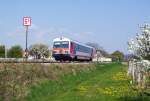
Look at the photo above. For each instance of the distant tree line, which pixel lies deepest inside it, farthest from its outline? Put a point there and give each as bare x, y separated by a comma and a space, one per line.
98, 49
2, 51
117, 55
37, 51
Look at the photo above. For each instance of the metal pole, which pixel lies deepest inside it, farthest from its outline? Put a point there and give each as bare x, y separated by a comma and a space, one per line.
26, 50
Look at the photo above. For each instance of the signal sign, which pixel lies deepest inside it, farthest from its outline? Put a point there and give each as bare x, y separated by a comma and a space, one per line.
27, 21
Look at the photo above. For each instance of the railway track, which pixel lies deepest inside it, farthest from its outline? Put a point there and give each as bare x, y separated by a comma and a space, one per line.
44, 62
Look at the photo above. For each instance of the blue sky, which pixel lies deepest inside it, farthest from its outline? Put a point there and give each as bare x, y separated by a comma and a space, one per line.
110, 23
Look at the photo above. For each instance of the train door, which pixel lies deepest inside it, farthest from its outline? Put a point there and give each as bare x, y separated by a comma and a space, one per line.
72, 49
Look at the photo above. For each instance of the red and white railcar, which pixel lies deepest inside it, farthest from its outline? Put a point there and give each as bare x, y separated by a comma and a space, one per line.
65, 49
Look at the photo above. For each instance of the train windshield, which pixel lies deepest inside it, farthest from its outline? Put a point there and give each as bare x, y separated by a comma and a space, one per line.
63, 44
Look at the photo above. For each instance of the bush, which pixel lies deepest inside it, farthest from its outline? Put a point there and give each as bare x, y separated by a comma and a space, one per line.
2, 51
15, 52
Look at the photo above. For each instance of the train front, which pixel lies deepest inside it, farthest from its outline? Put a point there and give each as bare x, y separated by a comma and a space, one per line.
61, 50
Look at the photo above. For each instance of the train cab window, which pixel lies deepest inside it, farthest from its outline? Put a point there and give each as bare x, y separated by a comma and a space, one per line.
57, 45
64, 44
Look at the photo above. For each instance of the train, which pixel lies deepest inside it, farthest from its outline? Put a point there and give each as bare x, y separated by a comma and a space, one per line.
65, 49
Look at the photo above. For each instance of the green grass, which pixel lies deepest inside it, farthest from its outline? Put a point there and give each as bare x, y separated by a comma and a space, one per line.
96, 85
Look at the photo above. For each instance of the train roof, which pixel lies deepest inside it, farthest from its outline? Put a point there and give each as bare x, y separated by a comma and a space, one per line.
61, 39
67, 39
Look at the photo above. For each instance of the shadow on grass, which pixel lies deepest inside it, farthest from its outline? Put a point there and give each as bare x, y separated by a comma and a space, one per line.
136, 98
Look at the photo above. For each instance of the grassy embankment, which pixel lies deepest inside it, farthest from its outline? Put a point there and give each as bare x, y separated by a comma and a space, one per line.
108, 82
66, 82
17, 79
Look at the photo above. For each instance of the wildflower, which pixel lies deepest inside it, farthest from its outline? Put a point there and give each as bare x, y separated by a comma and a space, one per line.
120, 76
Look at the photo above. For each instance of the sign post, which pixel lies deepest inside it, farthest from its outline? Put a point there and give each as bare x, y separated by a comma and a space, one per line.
26, 23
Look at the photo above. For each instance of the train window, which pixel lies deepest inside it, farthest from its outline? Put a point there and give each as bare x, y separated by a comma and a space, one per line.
83, 48
77, 47
64, 44
57, 45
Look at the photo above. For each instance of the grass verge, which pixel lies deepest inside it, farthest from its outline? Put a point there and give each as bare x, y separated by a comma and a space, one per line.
108, 82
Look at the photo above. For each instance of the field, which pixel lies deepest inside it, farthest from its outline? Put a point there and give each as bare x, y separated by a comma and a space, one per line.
96, 82
107, 83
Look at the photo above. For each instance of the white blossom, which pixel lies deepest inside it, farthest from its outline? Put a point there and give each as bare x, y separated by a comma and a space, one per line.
140, 46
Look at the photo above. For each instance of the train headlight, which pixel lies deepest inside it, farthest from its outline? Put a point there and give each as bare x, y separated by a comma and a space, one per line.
54, 52
66, 52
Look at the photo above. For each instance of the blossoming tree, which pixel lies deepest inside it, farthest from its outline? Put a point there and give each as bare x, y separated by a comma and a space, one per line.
140, 47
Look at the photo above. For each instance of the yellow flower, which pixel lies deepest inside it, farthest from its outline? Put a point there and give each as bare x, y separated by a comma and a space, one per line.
120, 76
